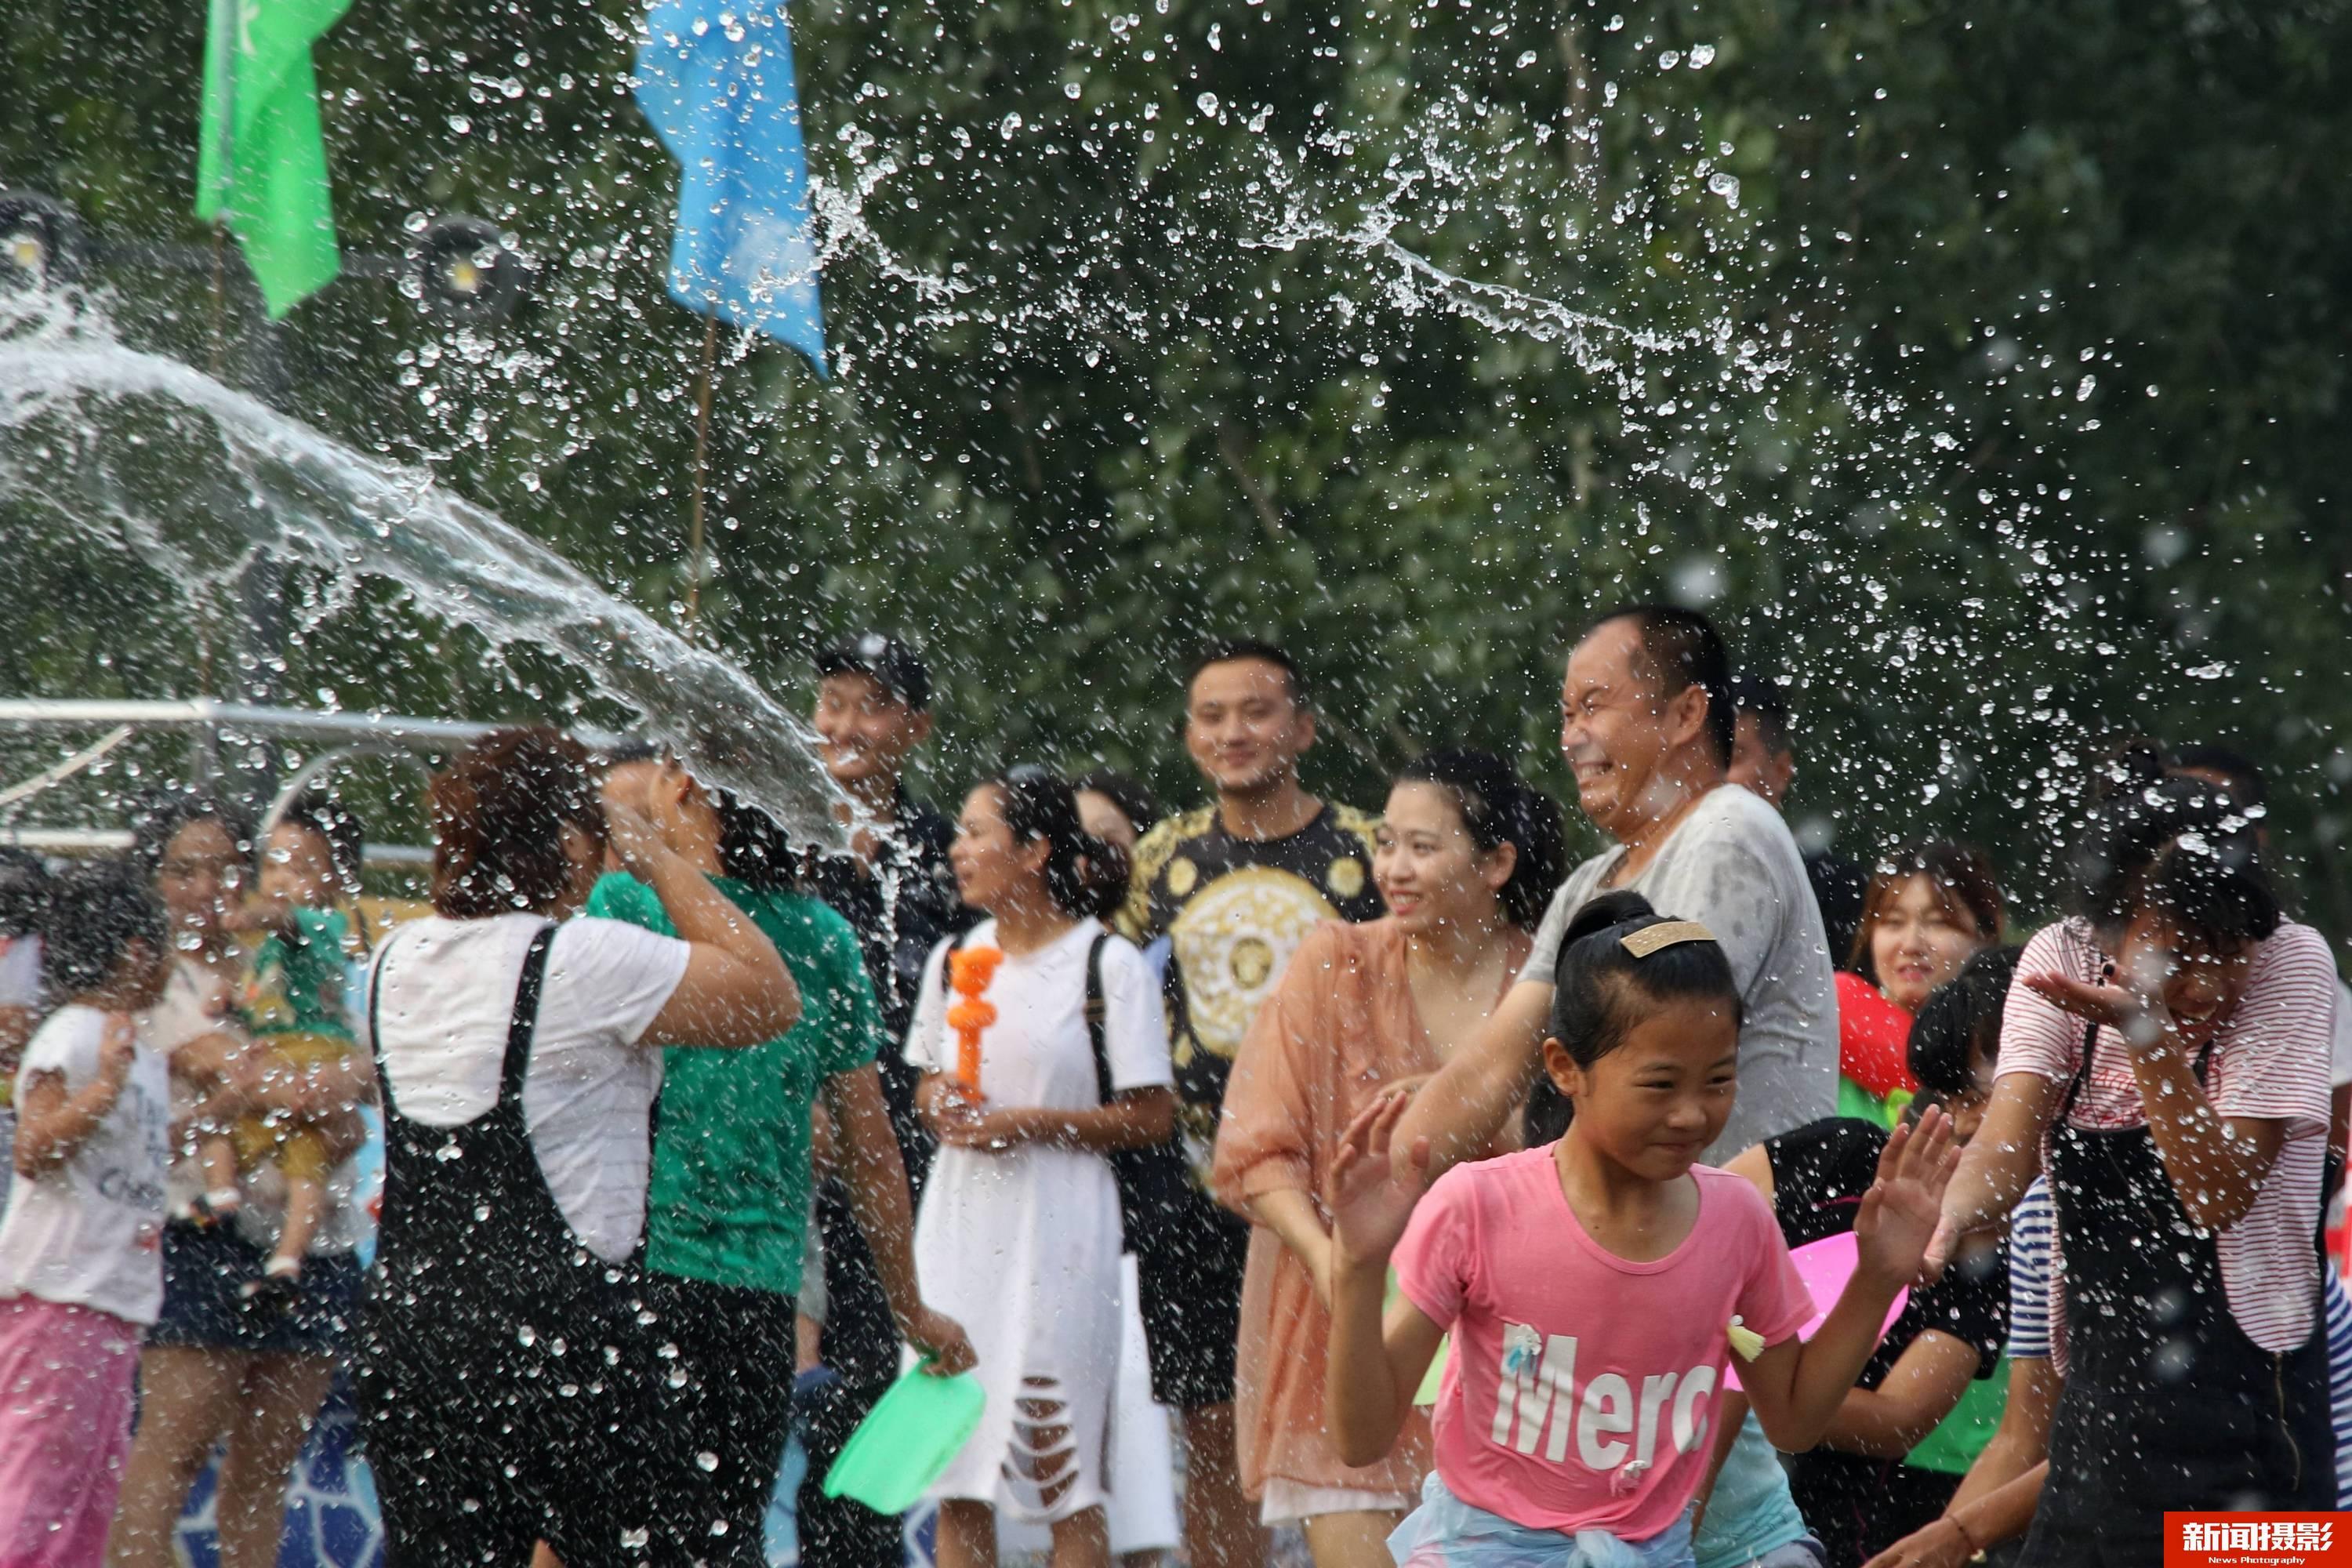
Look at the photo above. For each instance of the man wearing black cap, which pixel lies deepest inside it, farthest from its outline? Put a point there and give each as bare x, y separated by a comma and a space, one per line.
895, 889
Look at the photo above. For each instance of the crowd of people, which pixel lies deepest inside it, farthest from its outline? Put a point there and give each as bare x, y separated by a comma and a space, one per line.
1380, 1173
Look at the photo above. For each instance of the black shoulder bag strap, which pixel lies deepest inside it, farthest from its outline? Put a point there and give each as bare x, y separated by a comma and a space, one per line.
1152, 1180
1097, 1035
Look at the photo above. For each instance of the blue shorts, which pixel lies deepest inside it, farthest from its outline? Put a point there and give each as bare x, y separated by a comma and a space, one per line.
1446, 1533
202, 1271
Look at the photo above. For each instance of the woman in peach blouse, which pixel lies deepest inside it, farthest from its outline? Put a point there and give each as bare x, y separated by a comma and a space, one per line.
1467, 855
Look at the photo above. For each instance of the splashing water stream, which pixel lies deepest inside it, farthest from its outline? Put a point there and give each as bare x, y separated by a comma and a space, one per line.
85, 425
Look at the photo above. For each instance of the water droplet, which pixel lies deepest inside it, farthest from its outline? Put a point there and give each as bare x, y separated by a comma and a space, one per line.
707, 1460
1070, 90
1208, 104
526, 1335
1217, 38
461, 124
1702, 55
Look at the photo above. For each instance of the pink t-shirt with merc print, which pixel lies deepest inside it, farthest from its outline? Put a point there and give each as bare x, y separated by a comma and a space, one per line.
1581, 1387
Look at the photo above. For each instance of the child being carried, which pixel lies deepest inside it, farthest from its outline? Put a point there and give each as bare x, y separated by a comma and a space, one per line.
305, 907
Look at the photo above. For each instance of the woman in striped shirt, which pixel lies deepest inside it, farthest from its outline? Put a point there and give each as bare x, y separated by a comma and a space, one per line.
2166, 1054
1996, 1500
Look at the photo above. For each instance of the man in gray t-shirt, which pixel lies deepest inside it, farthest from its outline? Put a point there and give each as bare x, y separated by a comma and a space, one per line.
1732, 866
1646, 723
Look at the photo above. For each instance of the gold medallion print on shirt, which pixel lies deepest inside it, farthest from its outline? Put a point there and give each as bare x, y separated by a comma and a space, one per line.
1346, 878
1233, 940
1181, 875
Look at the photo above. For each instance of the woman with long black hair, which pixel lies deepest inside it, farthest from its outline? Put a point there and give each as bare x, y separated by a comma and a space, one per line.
2165, 1057
1042, 1049
1467, 855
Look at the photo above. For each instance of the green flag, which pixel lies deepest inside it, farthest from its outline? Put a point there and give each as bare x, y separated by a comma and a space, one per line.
262, 165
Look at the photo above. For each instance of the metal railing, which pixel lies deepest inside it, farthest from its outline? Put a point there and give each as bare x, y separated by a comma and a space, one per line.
208, 720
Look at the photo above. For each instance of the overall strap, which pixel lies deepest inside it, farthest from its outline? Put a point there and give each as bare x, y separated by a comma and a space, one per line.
524, 1023
1096, 1039
2081, 1073
2090, 1042
376, 1026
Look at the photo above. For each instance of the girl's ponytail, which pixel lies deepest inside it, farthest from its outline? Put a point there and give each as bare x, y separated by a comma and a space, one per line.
1549, 1111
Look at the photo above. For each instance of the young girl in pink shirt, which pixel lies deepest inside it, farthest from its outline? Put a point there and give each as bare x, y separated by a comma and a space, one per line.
1596, 1286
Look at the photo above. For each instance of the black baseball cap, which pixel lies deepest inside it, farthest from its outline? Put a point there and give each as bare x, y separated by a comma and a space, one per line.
890, 662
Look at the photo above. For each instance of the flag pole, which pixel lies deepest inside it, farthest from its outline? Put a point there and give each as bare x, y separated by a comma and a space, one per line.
701, 469
220, 295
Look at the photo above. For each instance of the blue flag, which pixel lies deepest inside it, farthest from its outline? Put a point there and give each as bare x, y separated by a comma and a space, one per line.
715, 77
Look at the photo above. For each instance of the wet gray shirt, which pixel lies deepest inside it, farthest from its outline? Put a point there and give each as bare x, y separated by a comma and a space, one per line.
1732, 866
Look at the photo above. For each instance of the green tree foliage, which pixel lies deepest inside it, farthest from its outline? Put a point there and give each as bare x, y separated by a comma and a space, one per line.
1981, 364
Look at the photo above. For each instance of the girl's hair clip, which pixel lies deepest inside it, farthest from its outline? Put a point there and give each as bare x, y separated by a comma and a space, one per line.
1664, 934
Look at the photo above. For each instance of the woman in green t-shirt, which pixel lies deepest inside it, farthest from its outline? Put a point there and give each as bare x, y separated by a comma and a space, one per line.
729, 1204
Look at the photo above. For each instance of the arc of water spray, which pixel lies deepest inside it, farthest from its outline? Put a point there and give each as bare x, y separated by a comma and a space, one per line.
78, 420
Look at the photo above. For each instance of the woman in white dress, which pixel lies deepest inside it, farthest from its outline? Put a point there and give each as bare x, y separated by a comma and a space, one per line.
1019, 1233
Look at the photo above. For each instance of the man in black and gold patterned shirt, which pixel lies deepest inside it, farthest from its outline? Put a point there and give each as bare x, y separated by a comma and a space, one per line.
1230, 890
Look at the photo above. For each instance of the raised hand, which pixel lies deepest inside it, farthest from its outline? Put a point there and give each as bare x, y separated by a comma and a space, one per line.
636, 840
1902, 1211
1369, 1192
2134, 1012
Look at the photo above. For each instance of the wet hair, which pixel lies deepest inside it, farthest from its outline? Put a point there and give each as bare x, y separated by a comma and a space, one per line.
498, 811
335, 825
2175, 847
24, 892
97, 911
1083, 875
159, 817
1754, 694
1963, 881
1135, 802
2246, 785
629, 749
1499, 807
1959, 1025
1226, 651
1681, 649
753, 846
1600, 991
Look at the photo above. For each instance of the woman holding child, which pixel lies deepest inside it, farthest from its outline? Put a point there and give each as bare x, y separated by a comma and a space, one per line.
218, 1363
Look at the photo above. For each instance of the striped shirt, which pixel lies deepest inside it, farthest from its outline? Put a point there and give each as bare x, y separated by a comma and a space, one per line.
2031, 1226
2271, 1060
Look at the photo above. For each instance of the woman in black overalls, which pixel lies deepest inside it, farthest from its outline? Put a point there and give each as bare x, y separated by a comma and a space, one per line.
507, 1356
2169, 1405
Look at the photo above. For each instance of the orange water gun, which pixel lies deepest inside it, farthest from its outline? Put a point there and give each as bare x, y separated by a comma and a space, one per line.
970, 969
